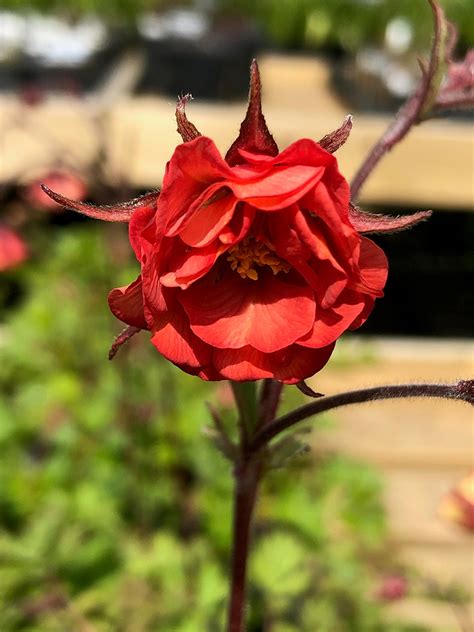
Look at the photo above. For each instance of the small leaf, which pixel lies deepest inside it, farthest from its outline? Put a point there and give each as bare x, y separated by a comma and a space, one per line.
287, 449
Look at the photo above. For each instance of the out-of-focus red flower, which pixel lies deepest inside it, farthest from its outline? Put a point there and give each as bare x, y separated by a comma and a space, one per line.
66, 183
252, 265
13, 249
392, 588
458, 505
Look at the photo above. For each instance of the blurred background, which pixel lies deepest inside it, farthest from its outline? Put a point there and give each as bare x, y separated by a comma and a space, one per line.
114, 504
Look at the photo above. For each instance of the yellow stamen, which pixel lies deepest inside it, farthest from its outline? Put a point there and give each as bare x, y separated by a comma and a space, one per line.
249, 253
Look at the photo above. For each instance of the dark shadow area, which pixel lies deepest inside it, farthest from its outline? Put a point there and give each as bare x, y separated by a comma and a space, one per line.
429, 288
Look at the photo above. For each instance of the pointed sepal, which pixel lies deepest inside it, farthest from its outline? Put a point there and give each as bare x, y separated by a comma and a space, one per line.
185, 129
332, 141
307, 390
123, 337
108, 213
254, 135
365, 222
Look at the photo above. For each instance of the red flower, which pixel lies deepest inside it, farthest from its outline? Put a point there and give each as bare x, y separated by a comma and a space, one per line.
251, 266
13, 249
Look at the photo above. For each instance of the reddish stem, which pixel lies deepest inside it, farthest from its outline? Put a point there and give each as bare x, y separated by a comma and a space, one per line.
247, 479
412, 111
247, 474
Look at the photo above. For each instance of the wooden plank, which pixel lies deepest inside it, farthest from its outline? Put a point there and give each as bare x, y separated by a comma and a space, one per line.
437, 617
416, 432
422, 449
60, 132
412, 498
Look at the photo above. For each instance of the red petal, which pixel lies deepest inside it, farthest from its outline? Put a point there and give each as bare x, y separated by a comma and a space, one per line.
306, 152
254, 135
329, 202
193, 168
331, 323
186, 129
308, 253
188, 265
289, 365
208, 221
174, 339
312, 234
365, 222
373, 266
239, 226
126, 303
109, 213
140, 220
331, 142
268, 314
282, 187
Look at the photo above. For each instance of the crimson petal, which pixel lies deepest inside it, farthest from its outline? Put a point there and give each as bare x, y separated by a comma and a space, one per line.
365, 222
108, 213
238, 312
331, 142
176, 342
126, 304
290, 365
254, 135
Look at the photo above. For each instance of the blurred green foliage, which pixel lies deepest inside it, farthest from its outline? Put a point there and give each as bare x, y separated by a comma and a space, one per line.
346, 24
115, 507
109, 9
350, 24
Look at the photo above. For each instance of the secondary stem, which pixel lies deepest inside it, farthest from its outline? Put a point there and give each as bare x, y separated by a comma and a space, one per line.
247, 479
414, 109
462, 391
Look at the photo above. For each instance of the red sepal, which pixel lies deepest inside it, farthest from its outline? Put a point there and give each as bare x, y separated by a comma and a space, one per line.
108, 213
123, 337
365, 222
185, 128
254, 135
332, 141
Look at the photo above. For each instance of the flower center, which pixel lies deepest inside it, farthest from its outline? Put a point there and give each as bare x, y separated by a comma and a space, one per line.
245, 255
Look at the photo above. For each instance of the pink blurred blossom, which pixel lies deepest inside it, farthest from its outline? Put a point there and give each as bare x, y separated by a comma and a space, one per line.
13, 249
65, 182
392, 588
